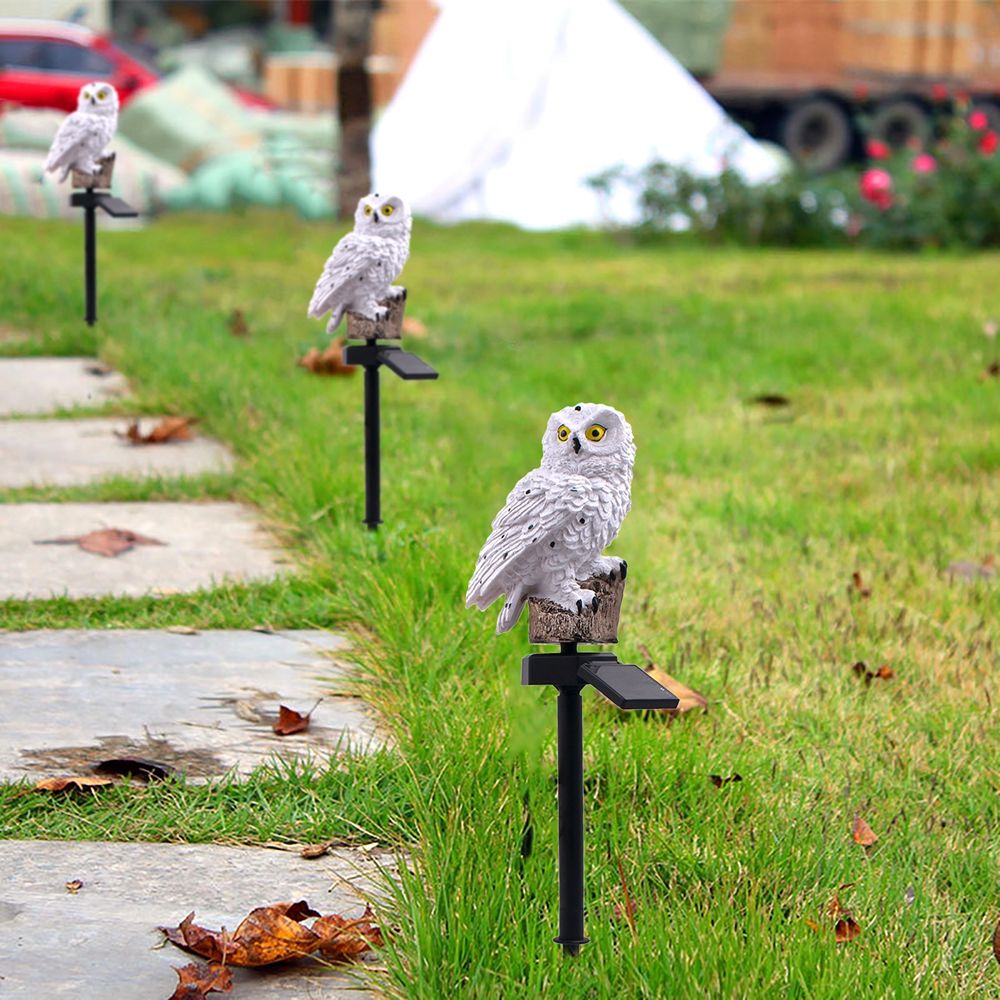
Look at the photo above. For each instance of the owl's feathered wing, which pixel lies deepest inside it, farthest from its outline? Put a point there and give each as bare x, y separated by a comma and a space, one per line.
352, 258
79, 133
538, 508
68, 139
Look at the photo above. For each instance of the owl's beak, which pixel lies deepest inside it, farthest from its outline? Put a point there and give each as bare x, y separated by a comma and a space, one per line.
576, 444
375, 217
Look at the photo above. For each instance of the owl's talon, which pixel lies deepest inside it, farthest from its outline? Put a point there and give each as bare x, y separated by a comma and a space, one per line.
579, 607
595, 604
624, 569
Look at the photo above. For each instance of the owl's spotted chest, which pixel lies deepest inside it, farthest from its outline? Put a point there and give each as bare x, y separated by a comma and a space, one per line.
594, 526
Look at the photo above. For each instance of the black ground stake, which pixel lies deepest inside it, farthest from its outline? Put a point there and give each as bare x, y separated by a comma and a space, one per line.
90, 200
371, 356
629, 687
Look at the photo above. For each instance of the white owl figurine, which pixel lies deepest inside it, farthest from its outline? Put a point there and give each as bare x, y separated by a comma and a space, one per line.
363, 265
560, 517
85, 133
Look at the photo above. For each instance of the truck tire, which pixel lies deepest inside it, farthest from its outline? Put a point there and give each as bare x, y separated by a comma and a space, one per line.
818, 134
898, 121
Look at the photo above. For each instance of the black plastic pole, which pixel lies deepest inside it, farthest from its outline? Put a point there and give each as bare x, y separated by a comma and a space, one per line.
570, 767
90, 257
373, 456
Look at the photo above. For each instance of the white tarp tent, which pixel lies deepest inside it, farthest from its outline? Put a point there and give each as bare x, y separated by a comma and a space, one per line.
510, 105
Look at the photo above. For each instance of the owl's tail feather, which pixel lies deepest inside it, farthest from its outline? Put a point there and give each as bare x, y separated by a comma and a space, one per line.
511, 610
336, 315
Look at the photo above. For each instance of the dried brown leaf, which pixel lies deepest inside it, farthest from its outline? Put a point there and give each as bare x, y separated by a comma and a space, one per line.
167, 430
74, 887
773, 399
107, 542
719, 781
413, 327
996, 942
71, 783
687, 697
181, 630
290, 721
276, 933
312, 851
858, 585
862, 833
196, 981
343, 939
992, 370
846, 929
237, 324
884, 673
327, 362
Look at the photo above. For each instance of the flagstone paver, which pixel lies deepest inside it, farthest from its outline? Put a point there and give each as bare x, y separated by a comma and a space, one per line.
202, 703
43, 385
204, 543
102, 941
72, 452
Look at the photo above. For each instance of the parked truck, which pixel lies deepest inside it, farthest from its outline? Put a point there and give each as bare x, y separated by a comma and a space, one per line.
804, 73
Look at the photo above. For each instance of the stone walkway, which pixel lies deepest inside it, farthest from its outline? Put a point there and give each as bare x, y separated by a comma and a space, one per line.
102, 942
203, 544
202, 704
44, 385
75, 452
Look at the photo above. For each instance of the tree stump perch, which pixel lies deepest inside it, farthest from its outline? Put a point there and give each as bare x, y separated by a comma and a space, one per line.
100, 181
390, 328
549, 623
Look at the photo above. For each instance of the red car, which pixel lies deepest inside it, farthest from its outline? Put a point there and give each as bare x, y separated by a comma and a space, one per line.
43, 64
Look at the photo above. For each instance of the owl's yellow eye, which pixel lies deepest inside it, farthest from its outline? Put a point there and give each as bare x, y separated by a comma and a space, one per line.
595, 432
368, 210
102, 94
387, 210
563, 433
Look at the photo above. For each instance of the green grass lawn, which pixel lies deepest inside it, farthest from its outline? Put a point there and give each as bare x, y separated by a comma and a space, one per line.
747, 525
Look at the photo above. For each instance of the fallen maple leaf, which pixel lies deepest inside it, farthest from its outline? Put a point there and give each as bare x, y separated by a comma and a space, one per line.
862, 833
775, 399
328, 361
197, 980
276, 933
884, 673
290, 721
846, 929
688, 698
312, 851
167, 430
71, 783
719, 781
343, 939
413, 327
858, 586
108, 542
238, 324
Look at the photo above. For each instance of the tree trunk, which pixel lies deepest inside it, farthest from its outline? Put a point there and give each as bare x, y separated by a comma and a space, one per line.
352, 31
